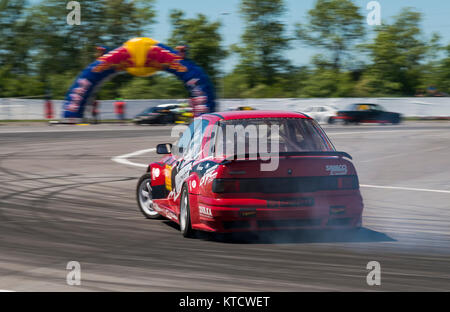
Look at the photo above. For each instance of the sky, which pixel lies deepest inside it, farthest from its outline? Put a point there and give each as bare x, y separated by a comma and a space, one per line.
436, 18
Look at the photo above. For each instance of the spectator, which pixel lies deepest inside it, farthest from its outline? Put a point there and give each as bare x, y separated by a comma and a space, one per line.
119, 107
95, 112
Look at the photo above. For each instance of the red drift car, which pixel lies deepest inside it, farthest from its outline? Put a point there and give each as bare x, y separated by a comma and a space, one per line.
251, 171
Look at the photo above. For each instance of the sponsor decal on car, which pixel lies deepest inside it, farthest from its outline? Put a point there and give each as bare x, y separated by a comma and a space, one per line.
298, 202
205, 211
181, 176
337, 169
170, 214
207, 178
337, 209
156, 172
250, 212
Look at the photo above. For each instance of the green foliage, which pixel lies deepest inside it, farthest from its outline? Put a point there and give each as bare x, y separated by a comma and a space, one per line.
333, 25
443, 73
15, 36
328, 83
39, 52
397, 53
161, 86
203, 39
15, 85
263, 42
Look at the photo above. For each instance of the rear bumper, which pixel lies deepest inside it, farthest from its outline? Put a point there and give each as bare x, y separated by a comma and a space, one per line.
240, 215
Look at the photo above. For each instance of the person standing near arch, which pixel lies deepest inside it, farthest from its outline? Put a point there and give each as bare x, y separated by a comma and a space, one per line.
119, 109
95, 112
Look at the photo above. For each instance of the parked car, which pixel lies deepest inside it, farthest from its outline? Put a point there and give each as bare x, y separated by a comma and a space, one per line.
241, 108
322, 114
367, 113
165, 114
160, 114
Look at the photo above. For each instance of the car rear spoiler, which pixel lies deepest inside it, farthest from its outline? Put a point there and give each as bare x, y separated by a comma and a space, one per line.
244, 157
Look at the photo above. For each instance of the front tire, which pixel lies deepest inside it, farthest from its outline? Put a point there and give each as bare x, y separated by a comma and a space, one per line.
185, 214
144, 195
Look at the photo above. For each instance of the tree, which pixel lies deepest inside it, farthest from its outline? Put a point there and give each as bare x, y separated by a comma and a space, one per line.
160, 86
125, 19
263, 42
103, 22
431, 65
443, 73
325, 81
203, 39
397, 53
15, 43
59, 47
333, 25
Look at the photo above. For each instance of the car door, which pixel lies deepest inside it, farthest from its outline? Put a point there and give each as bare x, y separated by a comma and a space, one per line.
375, 113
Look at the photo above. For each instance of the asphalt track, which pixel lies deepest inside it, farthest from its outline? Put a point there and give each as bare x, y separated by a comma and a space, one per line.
63, 199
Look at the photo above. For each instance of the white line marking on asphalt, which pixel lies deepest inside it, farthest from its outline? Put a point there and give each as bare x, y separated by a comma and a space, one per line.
3, 291
405, 188
123, 159
382, 131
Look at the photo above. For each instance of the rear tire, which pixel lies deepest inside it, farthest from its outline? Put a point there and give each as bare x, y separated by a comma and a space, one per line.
185, 214
144, 196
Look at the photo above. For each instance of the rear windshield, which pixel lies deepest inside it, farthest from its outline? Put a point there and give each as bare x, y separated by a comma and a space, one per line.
239, 136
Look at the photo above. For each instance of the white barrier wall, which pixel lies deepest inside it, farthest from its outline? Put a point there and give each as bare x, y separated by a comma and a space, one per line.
25, 109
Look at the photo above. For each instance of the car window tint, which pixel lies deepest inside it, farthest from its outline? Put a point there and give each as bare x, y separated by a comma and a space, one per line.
183, 143
363, 107
285, 134
194, 148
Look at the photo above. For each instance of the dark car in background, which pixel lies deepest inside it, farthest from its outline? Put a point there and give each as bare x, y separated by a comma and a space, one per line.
162, 114
367, 113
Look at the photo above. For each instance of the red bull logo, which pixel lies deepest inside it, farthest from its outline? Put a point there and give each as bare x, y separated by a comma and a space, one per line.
118, 58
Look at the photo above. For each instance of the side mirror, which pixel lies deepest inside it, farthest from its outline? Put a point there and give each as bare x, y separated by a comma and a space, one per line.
164, 148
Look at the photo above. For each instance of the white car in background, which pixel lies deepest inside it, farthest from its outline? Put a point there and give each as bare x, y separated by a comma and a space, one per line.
321, 113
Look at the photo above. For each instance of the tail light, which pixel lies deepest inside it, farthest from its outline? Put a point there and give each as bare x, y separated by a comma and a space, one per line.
285, 185
347, 182
225, 186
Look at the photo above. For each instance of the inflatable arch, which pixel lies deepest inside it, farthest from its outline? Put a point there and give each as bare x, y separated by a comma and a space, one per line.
140, 57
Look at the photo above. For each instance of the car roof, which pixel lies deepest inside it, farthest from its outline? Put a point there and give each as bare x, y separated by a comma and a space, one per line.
229, 115
167, 105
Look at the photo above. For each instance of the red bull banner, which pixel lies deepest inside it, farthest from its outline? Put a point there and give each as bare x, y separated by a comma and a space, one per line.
140, 57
